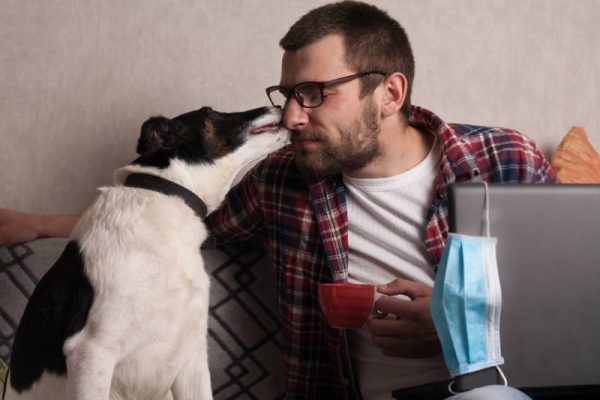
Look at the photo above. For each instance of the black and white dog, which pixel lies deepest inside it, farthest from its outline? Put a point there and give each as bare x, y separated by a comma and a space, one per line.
123, 313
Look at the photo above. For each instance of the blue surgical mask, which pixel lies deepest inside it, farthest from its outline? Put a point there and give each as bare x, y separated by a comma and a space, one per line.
466, 301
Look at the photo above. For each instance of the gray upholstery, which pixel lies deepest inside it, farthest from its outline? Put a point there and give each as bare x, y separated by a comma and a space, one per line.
244, 330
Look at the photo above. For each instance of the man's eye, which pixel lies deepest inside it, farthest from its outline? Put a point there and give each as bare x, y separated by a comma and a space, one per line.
310, 95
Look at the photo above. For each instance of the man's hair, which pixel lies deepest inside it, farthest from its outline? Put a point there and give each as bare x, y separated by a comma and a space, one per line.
373, 41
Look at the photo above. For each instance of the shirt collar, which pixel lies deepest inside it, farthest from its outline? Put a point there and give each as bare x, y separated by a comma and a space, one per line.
458, 163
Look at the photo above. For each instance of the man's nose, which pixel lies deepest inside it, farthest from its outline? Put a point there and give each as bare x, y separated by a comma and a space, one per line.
295, 116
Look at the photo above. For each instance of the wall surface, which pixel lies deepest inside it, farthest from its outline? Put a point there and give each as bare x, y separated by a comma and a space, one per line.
78, 78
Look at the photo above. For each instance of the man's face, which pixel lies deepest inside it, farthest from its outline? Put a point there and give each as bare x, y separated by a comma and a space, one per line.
341, 135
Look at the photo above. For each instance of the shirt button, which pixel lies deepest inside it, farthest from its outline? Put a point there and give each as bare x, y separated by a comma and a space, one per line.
345, 381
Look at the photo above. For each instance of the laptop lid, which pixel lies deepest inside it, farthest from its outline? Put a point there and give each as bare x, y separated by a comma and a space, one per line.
548, 256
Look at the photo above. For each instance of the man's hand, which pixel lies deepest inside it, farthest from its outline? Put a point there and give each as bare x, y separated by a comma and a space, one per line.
411, 333
16, 227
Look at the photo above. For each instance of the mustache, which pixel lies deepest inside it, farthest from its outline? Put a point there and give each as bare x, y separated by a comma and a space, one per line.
305, 135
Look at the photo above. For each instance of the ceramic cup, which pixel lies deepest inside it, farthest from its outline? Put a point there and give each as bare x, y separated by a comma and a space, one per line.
347, 305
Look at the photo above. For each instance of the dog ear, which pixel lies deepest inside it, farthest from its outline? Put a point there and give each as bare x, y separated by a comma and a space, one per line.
157, 133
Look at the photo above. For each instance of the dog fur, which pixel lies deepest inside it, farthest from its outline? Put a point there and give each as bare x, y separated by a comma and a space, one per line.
123, 313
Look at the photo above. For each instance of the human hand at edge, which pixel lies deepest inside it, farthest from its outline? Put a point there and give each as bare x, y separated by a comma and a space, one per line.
411, 334
17, 227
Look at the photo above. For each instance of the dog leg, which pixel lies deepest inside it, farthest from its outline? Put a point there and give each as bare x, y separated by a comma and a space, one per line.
90, 368
193, 379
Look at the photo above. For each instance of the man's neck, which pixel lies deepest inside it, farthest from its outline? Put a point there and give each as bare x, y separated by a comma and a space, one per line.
402, 148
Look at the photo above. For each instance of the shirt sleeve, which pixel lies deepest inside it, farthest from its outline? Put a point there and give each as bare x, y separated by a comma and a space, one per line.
544, 171
240, 218
510, 156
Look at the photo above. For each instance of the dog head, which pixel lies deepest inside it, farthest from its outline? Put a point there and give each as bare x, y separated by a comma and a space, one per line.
206, 135
206, 147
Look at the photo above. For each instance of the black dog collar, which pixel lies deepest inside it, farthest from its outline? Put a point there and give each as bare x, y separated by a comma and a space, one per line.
164, 186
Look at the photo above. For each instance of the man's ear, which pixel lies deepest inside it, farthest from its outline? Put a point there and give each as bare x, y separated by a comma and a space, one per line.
394, 93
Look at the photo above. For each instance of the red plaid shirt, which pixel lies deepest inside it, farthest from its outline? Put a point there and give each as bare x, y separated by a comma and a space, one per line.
305, 224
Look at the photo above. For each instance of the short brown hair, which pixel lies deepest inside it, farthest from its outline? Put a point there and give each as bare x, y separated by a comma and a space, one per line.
373, 40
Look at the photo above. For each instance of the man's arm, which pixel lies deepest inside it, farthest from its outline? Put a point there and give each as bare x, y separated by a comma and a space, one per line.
18, 227
239, 218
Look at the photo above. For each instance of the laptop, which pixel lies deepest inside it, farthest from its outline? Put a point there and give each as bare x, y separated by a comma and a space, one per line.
548, 255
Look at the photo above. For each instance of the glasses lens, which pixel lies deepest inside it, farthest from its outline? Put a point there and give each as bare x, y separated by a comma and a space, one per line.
309, 95
278, 97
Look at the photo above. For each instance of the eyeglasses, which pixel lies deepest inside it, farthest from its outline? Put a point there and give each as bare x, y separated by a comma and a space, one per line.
309, 94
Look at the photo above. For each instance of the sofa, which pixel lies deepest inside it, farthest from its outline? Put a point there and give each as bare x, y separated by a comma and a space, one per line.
244, 337
244, 330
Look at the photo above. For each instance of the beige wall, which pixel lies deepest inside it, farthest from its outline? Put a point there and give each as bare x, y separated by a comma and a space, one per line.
77, 77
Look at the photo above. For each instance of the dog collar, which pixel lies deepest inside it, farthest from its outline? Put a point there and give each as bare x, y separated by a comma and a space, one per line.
164, 186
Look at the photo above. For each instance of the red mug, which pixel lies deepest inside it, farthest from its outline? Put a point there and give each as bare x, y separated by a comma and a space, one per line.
347, 305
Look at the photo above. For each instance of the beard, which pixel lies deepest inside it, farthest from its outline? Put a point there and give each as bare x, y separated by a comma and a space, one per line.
357, 147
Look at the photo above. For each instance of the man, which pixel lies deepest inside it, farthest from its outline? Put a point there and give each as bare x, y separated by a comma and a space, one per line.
359, 196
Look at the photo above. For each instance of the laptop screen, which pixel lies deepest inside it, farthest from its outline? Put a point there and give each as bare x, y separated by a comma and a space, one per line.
548, 255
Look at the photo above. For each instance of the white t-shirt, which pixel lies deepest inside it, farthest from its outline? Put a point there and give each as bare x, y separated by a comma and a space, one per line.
387, 219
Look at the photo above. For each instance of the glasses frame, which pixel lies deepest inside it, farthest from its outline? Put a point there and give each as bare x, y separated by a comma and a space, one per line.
287, 92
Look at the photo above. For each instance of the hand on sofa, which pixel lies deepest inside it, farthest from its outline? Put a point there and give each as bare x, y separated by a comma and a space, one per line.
17, 227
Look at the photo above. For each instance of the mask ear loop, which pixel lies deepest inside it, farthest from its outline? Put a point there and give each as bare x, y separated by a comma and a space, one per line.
504, 381
485, 225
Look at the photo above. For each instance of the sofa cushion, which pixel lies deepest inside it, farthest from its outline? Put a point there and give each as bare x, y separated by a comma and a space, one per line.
244, 335
575, 160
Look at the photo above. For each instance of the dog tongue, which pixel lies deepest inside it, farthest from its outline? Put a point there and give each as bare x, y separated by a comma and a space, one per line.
265, 128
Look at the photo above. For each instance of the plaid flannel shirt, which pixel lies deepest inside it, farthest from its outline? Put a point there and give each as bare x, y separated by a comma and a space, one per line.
305, 226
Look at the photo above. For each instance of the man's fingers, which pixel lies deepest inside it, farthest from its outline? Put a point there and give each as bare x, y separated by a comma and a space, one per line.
416, 310
412, 334
406, 287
